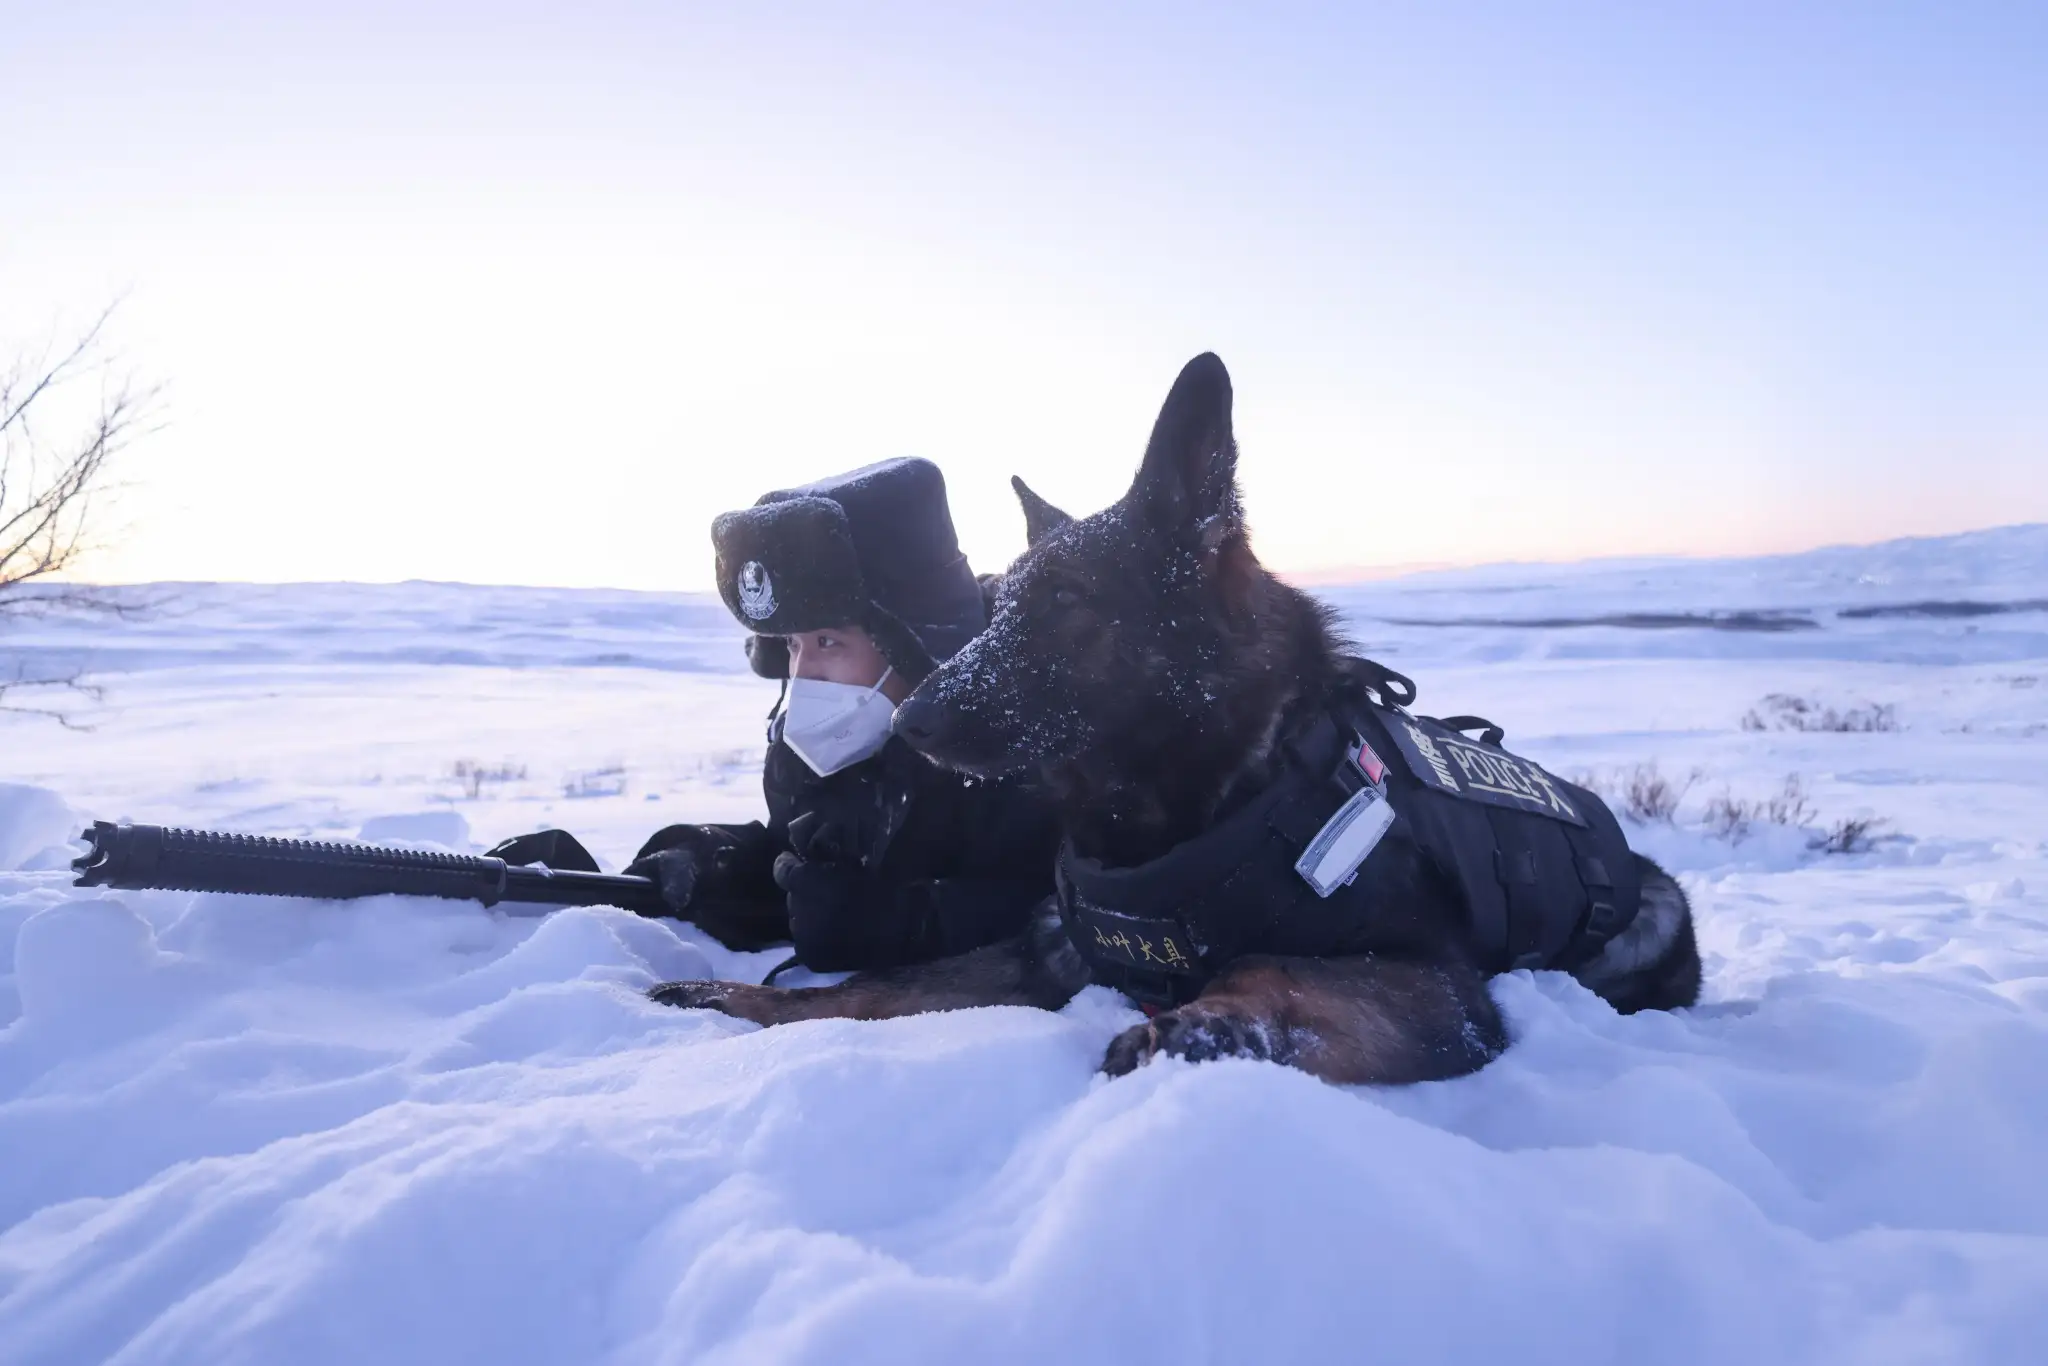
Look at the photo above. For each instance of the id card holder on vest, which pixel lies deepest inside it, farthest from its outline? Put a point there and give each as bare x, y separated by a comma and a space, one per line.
1333, 856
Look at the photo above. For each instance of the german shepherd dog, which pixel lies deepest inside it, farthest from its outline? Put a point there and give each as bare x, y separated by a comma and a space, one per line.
1143, 665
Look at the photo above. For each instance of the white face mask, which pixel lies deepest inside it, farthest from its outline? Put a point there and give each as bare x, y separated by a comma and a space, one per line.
831, 725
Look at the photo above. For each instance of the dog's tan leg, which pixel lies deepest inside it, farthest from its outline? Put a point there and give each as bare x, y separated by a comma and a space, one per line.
1037, 968
1349, 1020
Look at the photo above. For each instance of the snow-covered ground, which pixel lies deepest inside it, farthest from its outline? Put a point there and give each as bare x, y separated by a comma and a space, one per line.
246, 1130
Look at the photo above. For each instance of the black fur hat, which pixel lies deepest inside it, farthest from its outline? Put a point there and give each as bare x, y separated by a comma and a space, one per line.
872, 548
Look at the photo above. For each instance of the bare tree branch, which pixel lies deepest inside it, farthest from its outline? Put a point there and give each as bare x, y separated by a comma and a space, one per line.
48, 485
58, 442
51, 374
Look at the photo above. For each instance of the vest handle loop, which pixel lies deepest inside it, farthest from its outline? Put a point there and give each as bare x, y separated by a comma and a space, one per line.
1489, 733
1392, 689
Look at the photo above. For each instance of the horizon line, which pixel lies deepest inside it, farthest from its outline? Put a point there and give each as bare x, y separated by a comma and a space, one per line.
1322, 577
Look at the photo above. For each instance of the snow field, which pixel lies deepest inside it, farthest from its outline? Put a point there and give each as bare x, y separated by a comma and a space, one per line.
248, 1130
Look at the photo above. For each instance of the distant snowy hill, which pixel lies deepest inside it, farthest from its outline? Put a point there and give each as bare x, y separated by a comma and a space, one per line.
402, 623
1976, 576
244, 1130
1826, 603
1998, 565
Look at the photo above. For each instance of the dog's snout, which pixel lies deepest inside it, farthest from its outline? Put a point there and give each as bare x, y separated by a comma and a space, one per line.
920, 722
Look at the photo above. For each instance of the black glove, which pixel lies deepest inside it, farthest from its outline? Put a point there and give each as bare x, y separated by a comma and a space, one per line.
692, 854
673, 873
705, 876
558, 849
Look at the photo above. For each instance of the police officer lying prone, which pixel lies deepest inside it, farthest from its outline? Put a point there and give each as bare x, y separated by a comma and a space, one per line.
852, 590
1264, 847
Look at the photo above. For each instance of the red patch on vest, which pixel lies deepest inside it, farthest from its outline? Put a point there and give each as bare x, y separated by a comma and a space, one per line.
1370, 764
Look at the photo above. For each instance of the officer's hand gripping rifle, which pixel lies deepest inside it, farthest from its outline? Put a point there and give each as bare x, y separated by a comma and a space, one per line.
143, 857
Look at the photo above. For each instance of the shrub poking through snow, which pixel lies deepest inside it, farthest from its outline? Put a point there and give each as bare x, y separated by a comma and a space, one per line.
1731, 817
473, 775
1783, 711
1852, 835
1643, 792
597, 782
1647, 794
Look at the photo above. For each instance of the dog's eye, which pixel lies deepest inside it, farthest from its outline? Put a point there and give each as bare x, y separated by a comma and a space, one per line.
1065, 597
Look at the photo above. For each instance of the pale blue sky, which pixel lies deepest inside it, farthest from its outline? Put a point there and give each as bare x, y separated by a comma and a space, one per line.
511, 293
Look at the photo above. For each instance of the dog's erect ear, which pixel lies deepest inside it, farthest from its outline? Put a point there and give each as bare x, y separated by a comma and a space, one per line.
1041, 518
1188, 482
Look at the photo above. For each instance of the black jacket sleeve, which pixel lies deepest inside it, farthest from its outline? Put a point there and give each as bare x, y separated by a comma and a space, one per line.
843, 920
963, 913
888, 862
902, 862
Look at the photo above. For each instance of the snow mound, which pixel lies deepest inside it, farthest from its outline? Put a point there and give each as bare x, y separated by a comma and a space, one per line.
594, 1178
70, 954
35, 827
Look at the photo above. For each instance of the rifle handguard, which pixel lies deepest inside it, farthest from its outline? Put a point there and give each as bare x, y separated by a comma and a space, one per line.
152, 857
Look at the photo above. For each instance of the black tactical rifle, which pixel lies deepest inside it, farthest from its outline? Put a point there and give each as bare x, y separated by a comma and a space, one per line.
145, 857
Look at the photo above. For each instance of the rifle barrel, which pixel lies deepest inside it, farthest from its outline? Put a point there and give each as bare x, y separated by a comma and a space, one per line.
147, 857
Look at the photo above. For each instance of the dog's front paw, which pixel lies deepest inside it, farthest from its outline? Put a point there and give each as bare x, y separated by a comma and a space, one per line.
741, 1000
1194, 1032
690, 995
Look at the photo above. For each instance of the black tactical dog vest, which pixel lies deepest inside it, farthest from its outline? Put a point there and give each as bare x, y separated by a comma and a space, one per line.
1542, 870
